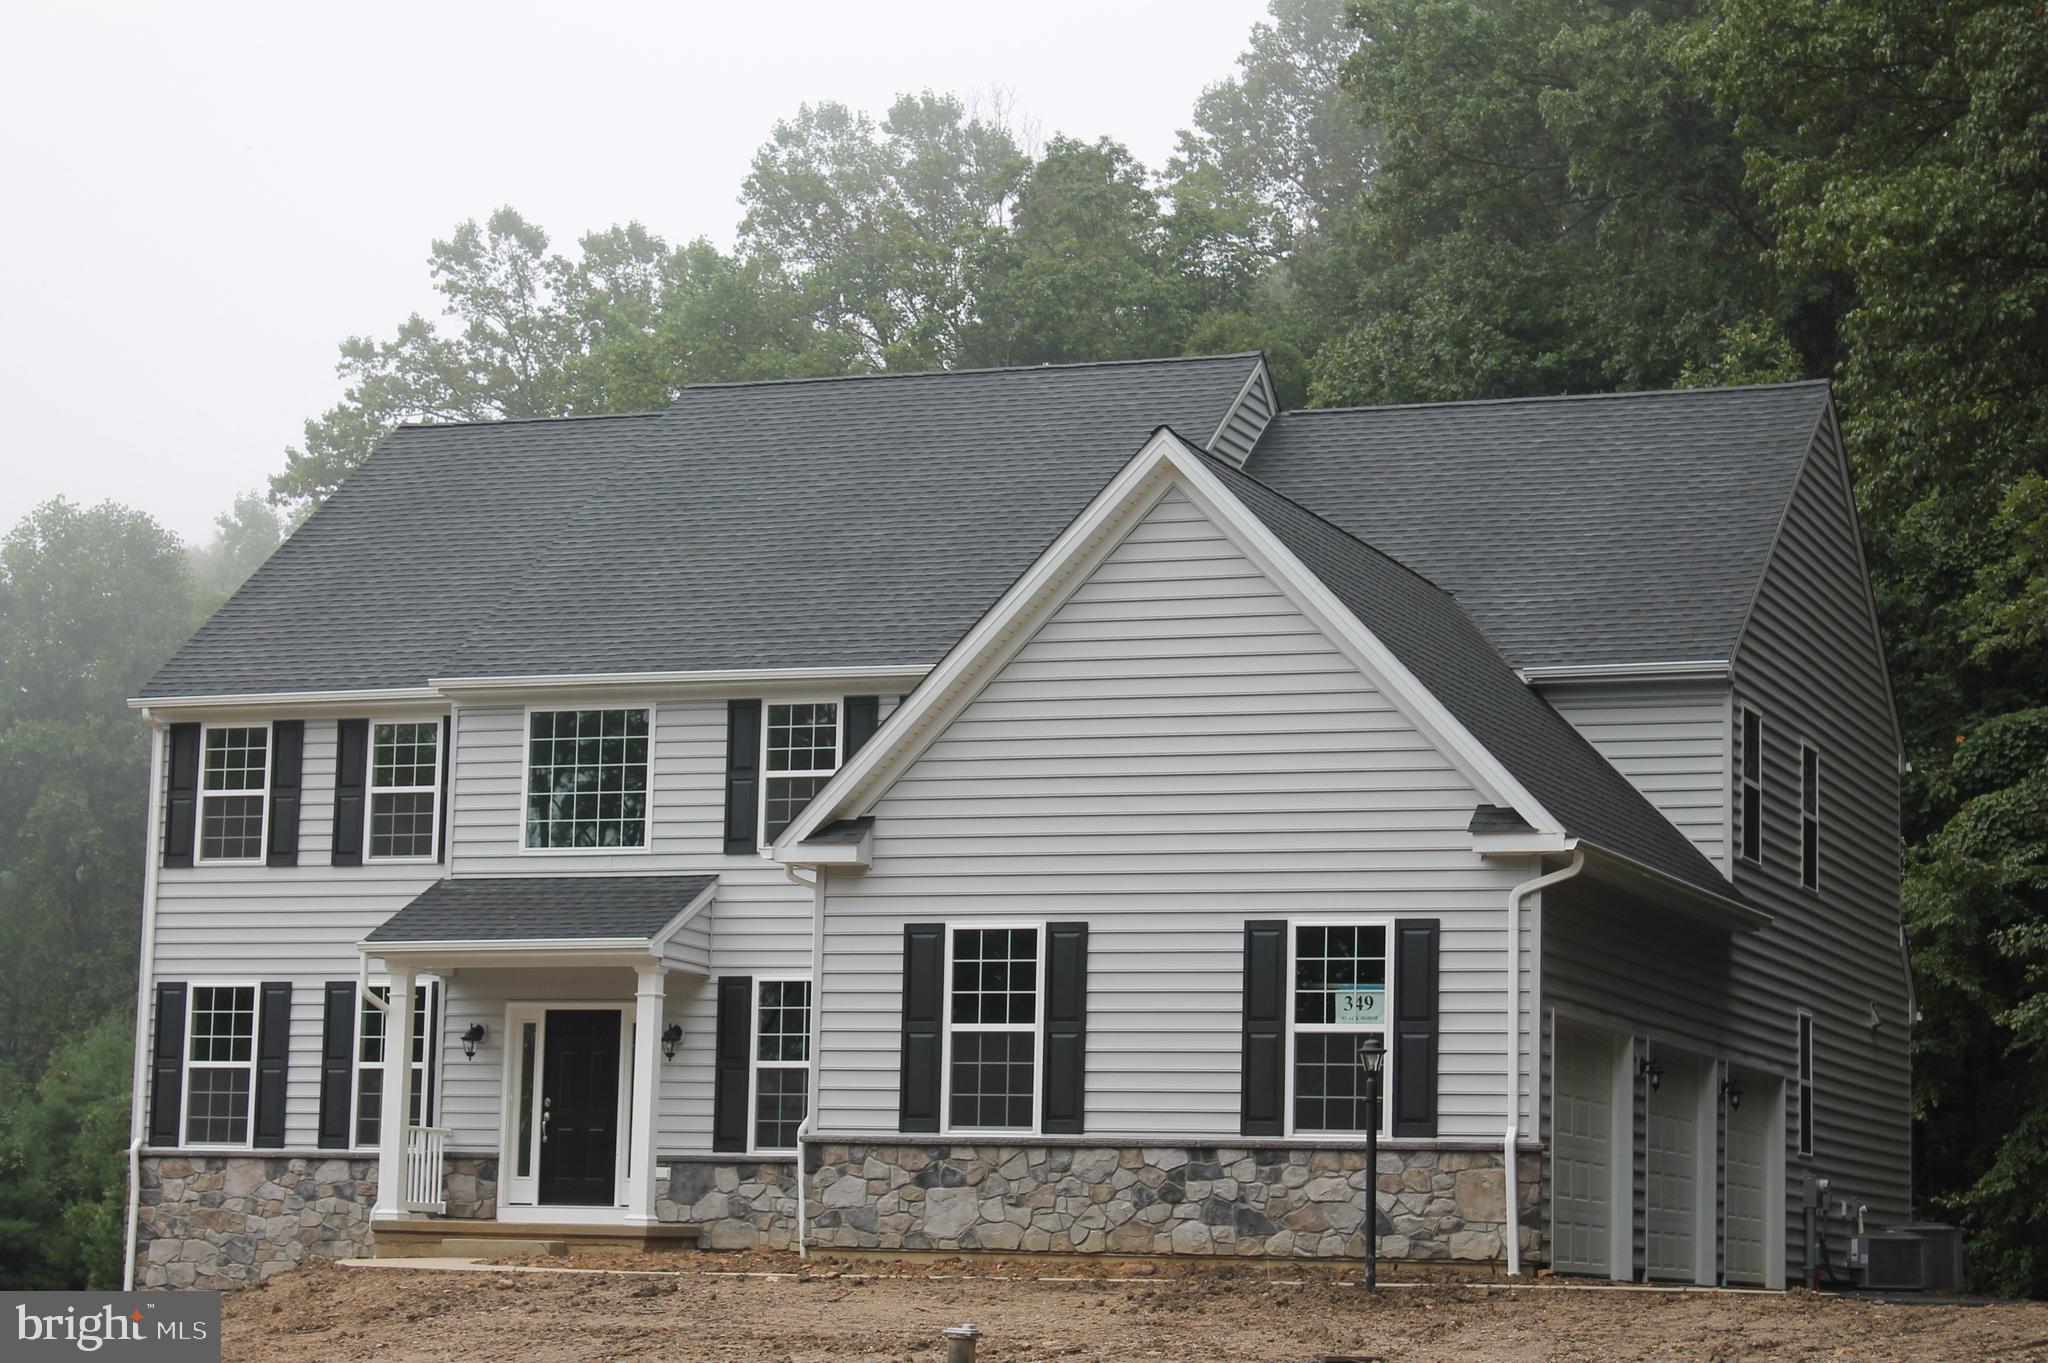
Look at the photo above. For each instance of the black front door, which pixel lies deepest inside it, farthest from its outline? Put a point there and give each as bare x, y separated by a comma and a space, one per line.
579, 1108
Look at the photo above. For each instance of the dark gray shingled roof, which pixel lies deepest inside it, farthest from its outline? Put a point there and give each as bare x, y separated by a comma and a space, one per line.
864, 521
544, 908
1437, 641
1575, 530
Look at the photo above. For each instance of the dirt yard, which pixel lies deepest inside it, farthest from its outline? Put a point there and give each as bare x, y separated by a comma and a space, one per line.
862, 1311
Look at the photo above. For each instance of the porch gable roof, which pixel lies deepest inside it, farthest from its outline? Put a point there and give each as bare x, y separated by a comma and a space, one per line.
588, 909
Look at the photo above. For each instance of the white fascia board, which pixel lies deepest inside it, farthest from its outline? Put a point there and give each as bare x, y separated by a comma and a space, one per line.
861, 853
1521, 844
328, 701
1163, 461
1681, 896
682, 920
470, 952
1705, 669
723, 679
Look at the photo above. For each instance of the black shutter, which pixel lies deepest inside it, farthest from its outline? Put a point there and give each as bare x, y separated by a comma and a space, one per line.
273, 1056
742, 775
445, 796
1066, 1029
167, 1063
351, 786
924, 993
287, 757
863, 717
337, 1065
1263, 1080
729, 1086
1415, 949
181, 796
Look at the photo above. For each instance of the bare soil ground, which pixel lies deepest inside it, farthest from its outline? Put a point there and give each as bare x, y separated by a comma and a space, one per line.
868, 1311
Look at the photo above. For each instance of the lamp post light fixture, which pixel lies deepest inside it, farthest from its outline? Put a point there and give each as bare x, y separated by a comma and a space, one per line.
1372, 1058
471, 1039
671, 1039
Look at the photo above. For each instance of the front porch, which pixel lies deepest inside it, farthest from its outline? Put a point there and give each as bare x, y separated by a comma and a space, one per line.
409, 1237
544, 1126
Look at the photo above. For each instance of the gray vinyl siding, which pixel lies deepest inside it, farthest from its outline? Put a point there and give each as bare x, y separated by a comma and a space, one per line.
1670, 739
1810, 660
247, 924
1241, 429
1175, 751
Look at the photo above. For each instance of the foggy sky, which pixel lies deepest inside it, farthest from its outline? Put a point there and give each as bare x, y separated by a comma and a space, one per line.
201, 200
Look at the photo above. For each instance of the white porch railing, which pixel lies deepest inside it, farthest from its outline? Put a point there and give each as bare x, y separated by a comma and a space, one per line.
424, 1185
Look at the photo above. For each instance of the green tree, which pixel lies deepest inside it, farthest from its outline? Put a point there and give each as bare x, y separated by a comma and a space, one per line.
91, 601
63, 1165
244, 536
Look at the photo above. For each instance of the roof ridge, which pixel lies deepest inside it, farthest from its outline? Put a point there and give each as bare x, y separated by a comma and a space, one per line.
979, 369
527, 420
1560, 397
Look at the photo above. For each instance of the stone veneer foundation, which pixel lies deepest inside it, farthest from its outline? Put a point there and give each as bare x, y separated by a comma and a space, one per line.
222, 1221
1236, 1200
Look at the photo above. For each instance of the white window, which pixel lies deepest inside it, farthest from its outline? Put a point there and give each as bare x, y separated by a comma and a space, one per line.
234, 779
1805, 1083
1751, 835
220, 1063
1809, 816
1342, 993
801, 744
586, 779
370, 1061
992, 1018
405, 780
782, 1058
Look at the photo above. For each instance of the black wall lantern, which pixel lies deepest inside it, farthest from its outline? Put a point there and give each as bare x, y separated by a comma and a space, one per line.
1652, 1070
671, 1039
1732, 1091
472, 1038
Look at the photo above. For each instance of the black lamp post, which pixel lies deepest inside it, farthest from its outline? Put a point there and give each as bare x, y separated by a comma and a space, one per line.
1372, 1058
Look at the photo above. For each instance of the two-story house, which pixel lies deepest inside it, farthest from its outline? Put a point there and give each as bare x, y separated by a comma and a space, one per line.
1017, 800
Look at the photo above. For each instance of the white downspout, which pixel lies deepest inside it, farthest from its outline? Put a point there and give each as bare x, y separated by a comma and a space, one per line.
1511, 1222
809, 1123
145, 978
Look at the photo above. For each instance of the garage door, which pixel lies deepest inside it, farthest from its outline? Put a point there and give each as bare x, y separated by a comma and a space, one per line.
1673, 1172
1582, 1151
1746, 1192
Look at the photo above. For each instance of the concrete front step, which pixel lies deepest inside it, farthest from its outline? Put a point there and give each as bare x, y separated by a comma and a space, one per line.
434, 1236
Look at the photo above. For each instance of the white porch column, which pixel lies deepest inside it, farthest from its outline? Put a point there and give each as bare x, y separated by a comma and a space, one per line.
397, 1112
647, 1024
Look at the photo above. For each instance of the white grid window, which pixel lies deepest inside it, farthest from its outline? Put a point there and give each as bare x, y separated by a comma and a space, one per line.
1806, 1083
586, 779
782, 1054
370, 1060
1809, 816
1341, 994
800, 751
405, 778
234, 778
220, 1063
1751, 832
992, 1029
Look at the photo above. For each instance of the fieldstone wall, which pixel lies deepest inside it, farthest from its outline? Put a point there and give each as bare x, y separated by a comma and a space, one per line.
223, 1221
1431, 1205
750, 1204
470, 1186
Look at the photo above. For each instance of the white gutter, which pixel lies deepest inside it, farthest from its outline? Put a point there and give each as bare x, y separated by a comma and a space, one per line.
809, 1123
1511, 1219
1701, 669
144, 980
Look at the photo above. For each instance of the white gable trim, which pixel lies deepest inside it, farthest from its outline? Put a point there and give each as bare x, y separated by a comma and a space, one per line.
1163, 463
